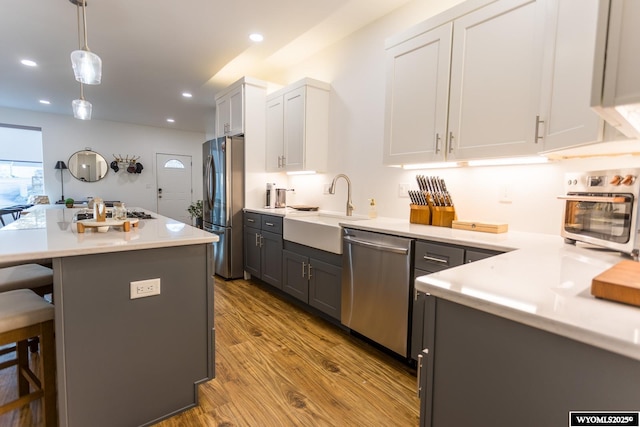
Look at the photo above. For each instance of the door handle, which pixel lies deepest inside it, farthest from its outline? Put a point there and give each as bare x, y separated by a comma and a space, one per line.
537, 135
304, 265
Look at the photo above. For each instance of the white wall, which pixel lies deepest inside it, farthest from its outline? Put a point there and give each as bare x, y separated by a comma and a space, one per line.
355, 68
63, 135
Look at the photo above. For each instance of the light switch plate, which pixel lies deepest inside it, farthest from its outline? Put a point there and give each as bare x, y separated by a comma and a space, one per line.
403, 190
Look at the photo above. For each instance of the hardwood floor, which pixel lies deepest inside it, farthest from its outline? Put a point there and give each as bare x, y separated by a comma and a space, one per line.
277, 365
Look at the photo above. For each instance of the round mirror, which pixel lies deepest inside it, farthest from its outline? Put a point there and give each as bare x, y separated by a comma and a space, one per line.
88, 166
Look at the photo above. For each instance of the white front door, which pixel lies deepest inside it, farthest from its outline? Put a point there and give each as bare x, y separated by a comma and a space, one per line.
174, 186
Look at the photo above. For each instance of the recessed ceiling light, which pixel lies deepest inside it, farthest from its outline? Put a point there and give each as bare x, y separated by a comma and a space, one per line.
45, 102
28, 63
187, 95
170, 120
256, 37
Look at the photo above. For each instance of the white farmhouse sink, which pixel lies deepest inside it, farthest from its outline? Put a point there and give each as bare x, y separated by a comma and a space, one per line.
320, 230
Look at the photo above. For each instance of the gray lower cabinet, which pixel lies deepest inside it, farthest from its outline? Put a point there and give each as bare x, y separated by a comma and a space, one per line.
313, 276
263, 247
121, 360
431, 257
478, 369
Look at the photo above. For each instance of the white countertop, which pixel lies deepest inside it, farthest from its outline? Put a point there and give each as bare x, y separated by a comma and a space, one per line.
539, 281
48, 231
547, 287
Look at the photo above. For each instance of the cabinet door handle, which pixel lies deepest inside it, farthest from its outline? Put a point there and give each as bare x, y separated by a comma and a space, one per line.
419, 373
304, 266
261, 240
434, 259
284, 161
450, 142
437, 150
257, 239
537, 135
309, 271
279, 162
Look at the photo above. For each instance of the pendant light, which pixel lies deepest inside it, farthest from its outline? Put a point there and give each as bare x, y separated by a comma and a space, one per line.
87, 66
81, 107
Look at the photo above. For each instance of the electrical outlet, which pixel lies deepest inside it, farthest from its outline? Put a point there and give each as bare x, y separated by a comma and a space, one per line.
145, 288
505, 197
403, 190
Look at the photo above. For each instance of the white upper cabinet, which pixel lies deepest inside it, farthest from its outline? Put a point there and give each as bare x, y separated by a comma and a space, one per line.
275, 133
616, 91
496, 69
418, 98
230, 111
297, 134
570, 48
486, 104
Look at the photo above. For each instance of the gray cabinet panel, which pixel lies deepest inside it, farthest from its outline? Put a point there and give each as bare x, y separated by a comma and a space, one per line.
434, 257
431, 258
124, 358
252, 251
325, 287
314, 277
271, 223
498, 370
263, 247
473, 255
271, 252
295, 280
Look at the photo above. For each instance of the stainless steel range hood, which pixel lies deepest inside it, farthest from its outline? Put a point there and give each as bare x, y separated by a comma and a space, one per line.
616, 87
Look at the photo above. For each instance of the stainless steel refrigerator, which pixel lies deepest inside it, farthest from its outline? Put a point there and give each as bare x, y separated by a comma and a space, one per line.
223, 200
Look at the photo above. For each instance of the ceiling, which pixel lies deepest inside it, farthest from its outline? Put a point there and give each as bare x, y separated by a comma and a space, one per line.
153, 50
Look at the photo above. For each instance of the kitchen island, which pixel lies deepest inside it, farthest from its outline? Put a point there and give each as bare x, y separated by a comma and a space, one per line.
123, 359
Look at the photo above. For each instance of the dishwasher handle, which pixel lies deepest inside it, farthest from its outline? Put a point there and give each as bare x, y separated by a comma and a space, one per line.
376, 246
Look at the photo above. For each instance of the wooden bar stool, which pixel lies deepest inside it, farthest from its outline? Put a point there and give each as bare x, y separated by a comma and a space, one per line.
24, 315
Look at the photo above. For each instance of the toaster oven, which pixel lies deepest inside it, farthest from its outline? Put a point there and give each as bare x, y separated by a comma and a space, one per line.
601, 208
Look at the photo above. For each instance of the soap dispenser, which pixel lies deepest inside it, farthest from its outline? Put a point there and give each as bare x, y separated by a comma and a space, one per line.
373, 213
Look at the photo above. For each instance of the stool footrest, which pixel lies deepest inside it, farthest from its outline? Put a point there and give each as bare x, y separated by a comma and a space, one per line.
21, 401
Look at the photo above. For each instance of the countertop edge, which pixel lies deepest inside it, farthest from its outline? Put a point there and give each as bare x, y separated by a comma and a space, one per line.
573, 332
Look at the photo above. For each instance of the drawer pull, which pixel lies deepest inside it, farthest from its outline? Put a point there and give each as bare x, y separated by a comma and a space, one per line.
434, 259
269, 224
251, 220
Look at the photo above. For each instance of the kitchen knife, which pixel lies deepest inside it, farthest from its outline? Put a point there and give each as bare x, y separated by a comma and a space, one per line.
446, 193
436, 181
436, 193
413, 198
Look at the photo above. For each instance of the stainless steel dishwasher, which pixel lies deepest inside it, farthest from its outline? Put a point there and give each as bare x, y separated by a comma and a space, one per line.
375, 287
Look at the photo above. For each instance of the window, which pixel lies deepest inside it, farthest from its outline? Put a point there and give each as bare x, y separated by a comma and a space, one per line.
20, 164
174, 164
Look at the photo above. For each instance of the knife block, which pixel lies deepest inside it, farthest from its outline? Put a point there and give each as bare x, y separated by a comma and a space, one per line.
443, 216
420, 215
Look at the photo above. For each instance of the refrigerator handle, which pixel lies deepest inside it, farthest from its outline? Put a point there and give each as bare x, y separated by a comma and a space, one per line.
210, 182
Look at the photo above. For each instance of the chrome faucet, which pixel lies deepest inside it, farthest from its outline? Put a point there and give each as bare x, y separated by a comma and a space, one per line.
332, 190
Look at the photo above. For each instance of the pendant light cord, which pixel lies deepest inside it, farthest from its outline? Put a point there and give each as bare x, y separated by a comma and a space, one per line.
79, 29
84, 21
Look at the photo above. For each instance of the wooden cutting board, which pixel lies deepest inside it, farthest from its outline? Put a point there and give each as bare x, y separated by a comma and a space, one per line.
486, 227
619, 283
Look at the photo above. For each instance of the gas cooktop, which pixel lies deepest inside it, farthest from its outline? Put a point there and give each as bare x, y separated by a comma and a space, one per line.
130, 214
